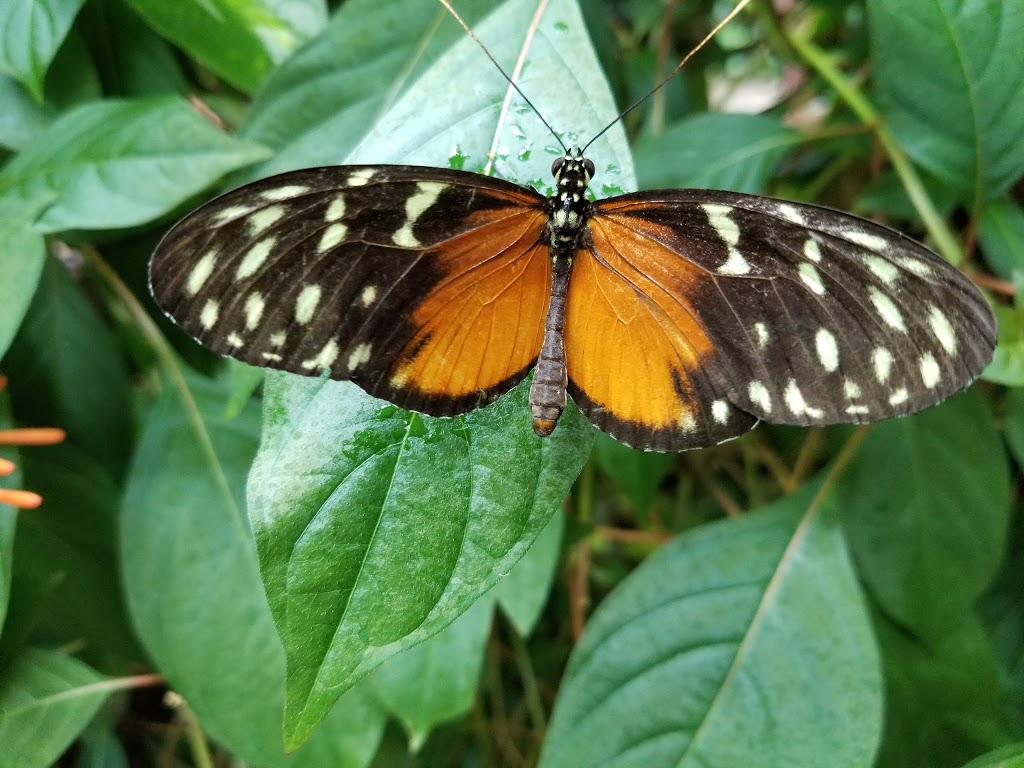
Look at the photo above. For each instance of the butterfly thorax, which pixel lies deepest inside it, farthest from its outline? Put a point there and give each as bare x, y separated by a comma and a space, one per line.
568, 211
568, 206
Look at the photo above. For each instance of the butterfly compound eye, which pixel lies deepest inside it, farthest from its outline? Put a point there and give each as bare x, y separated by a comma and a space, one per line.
588, 166
556, 166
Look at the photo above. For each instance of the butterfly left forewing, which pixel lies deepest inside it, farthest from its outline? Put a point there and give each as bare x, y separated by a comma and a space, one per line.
424, 286
814, 316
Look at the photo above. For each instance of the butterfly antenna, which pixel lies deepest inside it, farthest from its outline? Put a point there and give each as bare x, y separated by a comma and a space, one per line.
511, 82
732, 14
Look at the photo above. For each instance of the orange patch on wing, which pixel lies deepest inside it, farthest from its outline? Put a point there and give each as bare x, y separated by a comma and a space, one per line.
484, 322
631, 333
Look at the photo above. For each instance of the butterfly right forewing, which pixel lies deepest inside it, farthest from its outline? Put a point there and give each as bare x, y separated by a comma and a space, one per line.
426, 287
792, 313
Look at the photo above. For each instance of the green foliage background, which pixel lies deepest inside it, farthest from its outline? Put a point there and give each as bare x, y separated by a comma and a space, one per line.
384, 588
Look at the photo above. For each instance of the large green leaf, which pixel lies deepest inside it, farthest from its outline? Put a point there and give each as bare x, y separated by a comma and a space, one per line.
31, 31
376, 528
192, 585
744, 642
46, 699
432, 512
949, 78
926, 526
121, 163
716, 151
1011, 756
239, 41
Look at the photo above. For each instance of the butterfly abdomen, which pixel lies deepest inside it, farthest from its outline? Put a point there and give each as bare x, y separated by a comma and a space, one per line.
548, 391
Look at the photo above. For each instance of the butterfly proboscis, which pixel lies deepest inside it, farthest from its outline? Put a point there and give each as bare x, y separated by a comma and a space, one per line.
675, 318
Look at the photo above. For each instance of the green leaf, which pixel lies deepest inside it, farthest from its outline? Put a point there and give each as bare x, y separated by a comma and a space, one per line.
70, 372
31, 31
1011, 756
715, 151
743, 642
943, 699
394, 525
46, 699
524, 591
926, 527
241, 42
1001, 234
22, 254
436, 680
118, 164
949, 79
636, 473
192, 585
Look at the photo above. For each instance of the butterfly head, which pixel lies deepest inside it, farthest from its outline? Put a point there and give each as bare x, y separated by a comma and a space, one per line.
572, 173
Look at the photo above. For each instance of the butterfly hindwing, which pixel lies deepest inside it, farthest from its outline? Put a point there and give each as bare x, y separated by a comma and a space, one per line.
794, 313
426, 287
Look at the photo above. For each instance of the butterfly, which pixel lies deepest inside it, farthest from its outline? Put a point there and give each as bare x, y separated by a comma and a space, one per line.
675, 319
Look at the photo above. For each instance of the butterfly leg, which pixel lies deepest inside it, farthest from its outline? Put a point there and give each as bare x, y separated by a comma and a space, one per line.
547, 393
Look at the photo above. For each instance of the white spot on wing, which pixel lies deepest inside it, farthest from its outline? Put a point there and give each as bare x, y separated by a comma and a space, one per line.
881, 361
272, 357
760, 396
232, 212
687, 423
201, 273
253, 311
336, 209
886, 309
763, 337
333, 235
235, 340
360, 356
729, 231
208, 317
306, 303
368, 296
278, 339
791, 213
899, 397
811, 278
851, 389
812, 250
325, 358
255, 257
930, 371
426, 195
361, 177
882, 269
828, 350
857, 410
285, 192
262, 219
916, 266
942, 329
720, 412
872, 242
